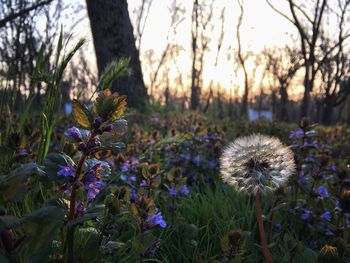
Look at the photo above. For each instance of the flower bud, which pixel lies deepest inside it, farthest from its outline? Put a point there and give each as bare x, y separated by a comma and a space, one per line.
82, 146
107, 128
235, 237
328, 254
97, 122
344, 200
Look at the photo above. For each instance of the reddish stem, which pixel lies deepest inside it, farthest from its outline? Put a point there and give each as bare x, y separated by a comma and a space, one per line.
263, 239
72, 201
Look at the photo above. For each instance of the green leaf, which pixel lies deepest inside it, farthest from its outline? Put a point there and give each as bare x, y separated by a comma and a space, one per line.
40, 229
90, 214
13, 185
119, 107
7, 222
81, 114
111, 146
112, 71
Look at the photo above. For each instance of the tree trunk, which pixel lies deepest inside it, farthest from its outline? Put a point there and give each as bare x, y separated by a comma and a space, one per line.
114, 39
284, 104
328, 110
195, 90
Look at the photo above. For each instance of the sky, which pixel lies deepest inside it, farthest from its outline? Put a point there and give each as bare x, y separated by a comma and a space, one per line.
262, 27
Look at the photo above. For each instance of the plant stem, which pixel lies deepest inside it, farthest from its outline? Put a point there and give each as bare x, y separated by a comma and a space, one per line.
263, 239
72, 201
141, 238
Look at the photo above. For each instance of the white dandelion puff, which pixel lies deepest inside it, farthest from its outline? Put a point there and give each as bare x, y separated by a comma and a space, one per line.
257, 164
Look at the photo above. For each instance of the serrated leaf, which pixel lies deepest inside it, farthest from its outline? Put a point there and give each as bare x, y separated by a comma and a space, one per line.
90, 214
81, 114
12, 185
134, 209
111, 146
119, 107
145, 171
225, 244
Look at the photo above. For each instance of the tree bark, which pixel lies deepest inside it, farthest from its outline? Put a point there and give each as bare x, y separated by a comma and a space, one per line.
113, 37
284, 104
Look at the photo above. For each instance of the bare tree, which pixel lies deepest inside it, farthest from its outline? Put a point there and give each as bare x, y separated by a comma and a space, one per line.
20, 43
171, 49
335, 68
201, 17
141, 19
242, 60
218, 49
283, 64
309, 25
10, 12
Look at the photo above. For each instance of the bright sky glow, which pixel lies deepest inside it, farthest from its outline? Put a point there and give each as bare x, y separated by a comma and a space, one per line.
262, 27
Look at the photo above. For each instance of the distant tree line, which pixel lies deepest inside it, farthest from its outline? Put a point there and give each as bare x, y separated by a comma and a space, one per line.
320, 57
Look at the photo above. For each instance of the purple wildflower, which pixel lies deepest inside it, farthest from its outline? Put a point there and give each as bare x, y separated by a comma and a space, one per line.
296, 134
93, 189
326, 216
173, 191
313, 144
187, 156
79, 208
323, 192
184, 190
306, 215
24, 152
73, 132
197, 160
133, 195
66, 171
144, 183
328, 232
213, 164
277, 227
156, 219
333, 168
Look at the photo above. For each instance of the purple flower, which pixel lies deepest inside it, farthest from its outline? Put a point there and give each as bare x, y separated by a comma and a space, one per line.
302, 179
131, 179
173, 191
79, 208
323, 192
152, 249
156, 219
313, 144
91, 184
310, 159
93, 188
213, 164
66, 171
197, 160
184, 190
187, 156
133, 195
296, 134
277, 227
125, 167
334, 168
306, 215
25, 151
144, 183
326, 216
73, 132
328, 232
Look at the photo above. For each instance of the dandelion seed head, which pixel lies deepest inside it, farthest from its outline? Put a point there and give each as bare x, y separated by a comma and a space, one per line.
257, 163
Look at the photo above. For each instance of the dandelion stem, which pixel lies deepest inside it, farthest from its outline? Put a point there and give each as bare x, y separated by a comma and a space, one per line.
263, 239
